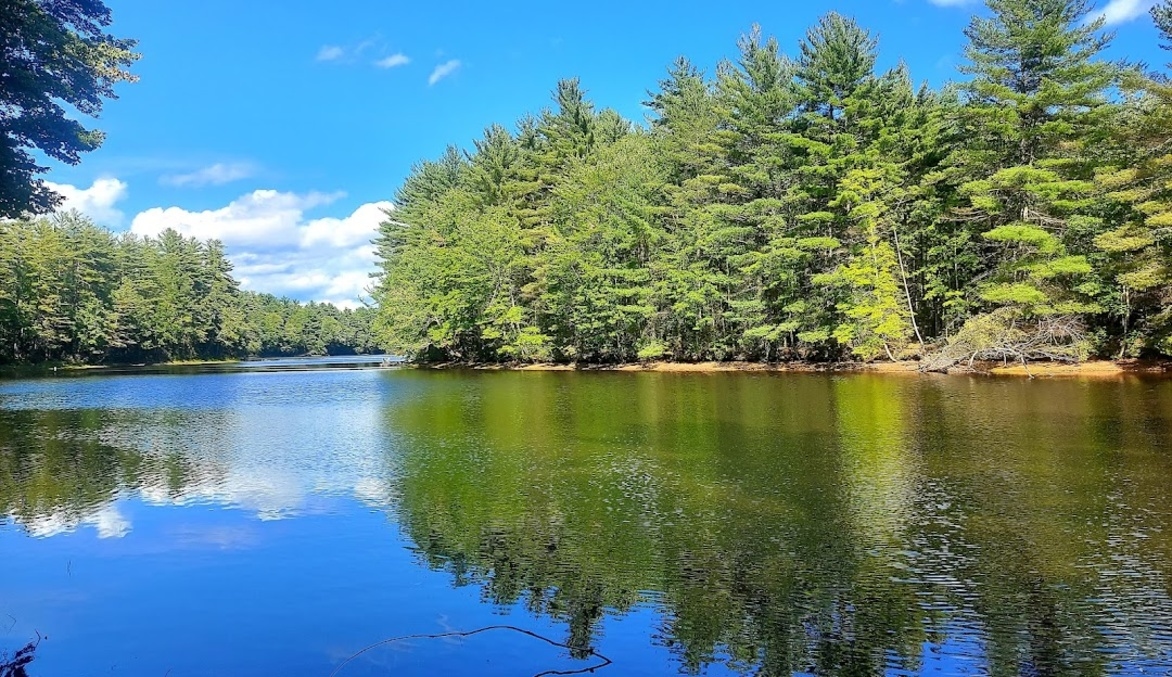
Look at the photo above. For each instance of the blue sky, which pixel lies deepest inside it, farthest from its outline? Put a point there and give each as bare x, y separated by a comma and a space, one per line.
283, 128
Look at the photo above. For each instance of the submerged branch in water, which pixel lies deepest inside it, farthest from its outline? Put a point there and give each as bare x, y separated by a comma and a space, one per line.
469, 633
14, 667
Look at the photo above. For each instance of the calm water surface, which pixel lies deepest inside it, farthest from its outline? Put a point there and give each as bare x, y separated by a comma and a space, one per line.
275, 522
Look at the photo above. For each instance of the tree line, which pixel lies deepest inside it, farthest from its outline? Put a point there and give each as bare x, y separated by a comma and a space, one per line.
71, 291
809, 206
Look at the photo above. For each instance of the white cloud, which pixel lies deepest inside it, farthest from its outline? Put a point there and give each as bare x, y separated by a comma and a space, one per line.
330, 53
214, 175
355, 53
393, 61
353, 230
277, 249
96, 202
324, 274
443, 70
1122, 11
263, 218
107, 520
111, 523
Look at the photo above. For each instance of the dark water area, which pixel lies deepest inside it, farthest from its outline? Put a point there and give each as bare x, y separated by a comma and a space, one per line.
276, 521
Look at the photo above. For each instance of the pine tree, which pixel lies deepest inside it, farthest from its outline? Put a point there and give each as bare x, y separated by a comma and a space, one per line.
1162, 16
54, 52
1139, 248
1037, 96
804, 208
598, 280
687, 278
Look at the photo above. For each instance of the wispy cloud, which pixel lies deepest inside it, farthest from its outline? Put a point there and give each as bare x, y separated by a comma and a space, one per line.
1121, 11
393, 61
214, 175
96, 202
443, 70
330, 53
371, 51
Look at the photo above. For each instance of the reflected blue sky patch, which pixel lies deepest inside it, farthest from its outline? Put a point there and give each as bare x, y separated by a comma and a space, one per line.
207, 591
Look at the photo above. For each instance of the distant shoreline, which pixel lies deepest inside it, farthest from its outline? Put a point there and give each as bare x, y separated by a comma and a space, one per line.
1090, 369
39, 368
1101, 369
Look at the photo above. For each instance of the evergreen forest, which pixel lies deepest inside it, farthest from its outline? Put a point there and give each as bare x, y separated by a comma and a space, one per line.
74, 292
800, 204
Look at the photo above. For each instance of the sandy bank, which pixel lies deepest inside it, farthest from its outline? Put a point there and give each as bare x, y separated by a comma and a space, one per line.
1092, 369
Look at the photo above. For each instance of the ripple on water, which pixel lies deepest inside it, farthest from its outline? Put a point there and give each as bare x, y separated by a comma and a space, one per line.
712, 525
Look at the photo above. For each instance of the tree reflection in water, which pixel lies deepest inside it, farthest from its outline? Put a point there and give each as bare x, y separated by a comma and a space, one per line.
811, 524
775, 524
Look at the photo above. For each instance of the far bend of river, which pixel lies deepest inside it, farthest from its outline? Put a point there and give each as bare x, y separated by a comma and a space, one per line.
274, 522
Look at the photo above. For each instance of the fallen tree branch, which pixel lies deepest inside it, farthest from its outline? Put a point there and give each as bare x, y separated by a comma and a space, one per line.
469, 633
14, 667
1004, 335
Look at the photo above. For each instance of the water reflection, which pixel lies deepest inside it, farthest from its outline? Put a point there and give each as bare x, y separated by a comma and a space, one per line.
271, 444
808, 524
772, 524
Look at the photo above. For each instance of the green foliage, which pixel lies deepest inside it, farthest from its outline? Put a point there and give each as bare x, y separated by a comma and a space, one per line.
803, 208
875, 317
52, 52
1162, 16
1137, 245
1025, 234
71, 291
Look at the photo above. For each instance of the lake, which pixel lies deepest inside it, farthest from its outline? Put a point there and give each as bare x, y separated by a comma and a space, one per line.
278, 518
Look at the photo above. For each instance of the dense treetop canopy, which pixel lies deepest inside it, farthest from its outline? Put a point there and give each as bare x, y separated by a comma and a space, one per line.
808, 207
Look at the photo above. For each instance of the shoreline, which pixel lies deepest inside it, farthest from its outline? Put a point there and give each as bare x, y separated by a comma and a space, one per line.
1092, 369
1089, 369
40, 368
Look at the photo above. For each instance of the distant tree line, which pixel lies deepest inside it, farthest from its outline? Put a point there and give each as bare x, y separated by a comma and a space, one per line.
809, 206
74, 292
